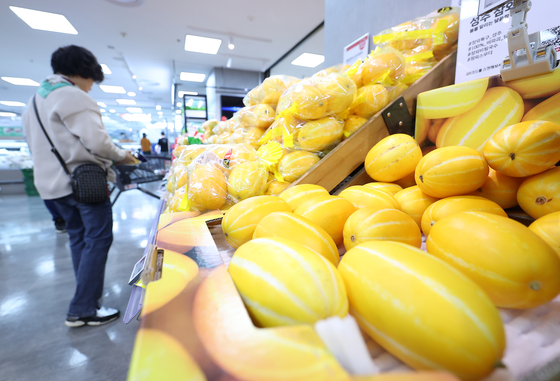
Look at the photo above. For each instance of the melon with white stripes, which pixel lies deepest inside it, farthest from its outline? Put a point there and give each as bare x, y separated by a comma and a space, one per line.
247, 180
389, 188
548, 228
537, 86
393, 158
329, 212
414, 202
295, 164
407, 181
514, 266
393, 290
500, 188
539, 195
451, 171
362, 197
299, 229
369, 224
298, 194
240, 221
321, 134
548, 109
524, 149
284, 283
500, 107
453, 205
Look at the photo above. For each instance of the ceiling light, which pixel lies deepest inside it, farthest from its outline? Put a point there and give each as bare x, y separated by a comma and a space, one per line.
160, 113
133, 76
20, 81
192, 77
179, 104
101, 104
131, 94
106, 69
126, 102
230, 45
309, 60
7, 114
134, 109
112, 111
178, 111
102, 110
202, 44
228, 64
12, 103
180, 94
113, 89
51, 22
146, 118
140, 88
158, 107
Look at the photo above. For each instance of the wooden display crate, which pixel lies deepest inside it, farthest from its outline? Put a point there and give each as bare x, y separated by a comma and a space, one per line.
349, 155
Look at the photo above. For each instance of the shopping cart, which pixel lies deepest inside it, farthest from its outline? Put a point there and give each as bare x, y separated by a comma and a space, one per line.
131, 177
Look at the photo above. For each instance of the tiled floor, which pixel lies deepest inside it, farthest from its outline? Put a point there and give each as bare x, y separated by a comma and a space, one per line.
37, 283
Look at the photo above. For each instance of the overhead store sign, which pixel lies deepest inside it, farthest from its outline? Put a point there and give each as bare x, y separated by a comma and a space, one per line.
357, 50
483, 37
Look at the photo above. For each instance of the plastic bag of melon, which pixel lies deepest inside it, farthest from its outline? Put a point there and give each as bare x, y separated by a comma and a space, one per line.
269, 91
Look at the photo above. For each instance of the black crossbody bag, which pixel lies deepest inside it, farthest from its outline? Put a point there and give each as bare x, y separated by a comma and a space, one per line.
89, 181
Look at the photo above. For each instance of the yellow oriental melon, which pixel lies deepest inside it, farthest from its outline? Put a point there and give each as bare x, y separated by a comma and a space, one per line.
414, 202
500, 188
369, 224
513, 265
299, 229
538, 86
284, 283
329, 212
539, 195
362, 197
295, 164
319, 135
276, 187
247, 180
548, 110
207, 187
451, 171
352, 124
407, 181
388, 188
524, 149
393, 158
298, 194
393, 290
499, 107
548, 228
452, 205
240, 220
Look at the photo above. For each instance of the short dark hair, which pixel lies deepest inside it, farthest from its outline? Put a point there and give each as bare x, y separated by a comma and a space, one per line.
75, 60
144, 135
163, 134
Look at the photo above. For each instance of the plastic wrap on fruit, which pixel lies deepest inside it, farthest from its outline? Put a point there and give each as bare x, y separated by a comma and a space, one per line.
282, 130
174, 201
250, 135
369, 100
260, 116
395, 90
317, 97
385, 66
189, 153
333, 69
209, 125
269, 91
295, 163
437, 31
352, 124
320, 135
218, 128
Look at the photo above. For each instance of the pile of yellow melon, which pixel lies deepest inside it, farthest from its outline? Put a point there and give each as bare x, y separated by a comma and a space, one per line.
433, 309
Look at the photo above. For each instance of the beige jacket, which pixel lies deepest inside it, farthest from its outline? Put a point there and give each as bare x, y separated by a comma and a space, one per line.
73, 122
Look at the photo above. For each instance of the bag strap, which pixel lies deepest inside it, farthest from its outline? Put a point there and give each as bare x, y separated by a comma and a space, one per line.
53, 149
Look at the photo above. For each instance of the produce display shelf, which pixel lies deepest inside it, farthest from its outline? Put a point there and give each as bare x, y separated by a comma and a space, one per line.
349, 155
533, 336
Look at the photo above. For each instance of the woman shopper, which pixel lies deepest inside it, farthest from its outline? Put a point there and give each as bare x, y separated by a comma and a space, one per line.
72, 120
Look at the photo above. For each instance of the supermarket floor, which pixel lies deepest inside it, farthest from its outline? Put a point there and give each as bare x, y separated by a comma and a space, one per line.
37, 283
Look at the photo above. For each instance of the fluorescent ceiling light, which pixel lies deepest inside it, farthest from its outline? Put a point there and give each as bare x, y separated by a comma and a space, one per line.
113, 89
180, 94
51, 22
126, 102
131, 94
140, 88
106, 69
309, 60
20, 81
134, 109
133, 76
178, 111
202, 44
12, 103
146, 118
179, 104
7, 114
101, 104
192, 77
112, 111
158, 107
102, 110
160, 113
